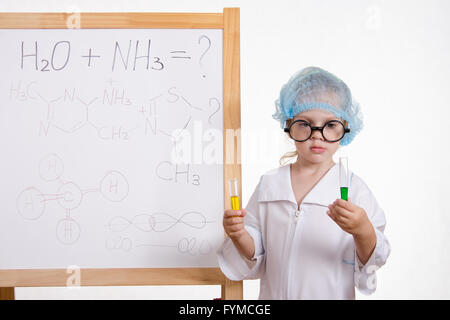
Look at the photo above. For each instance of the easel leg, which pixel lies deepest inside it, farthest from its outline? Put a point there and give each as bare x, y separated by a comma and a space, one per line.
7, 293
232, 290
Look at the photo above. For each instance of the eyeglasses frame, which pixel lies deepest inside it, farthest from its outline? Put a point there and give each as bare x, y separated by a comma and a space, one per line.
288, 130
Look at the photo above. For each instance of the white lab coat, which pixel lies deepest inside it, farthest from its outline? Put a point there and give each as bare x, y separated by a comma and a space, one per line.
300, 252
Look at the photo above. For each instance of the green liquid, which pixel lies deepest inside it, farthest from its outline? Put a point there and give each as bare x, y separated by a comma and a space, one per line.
344, 193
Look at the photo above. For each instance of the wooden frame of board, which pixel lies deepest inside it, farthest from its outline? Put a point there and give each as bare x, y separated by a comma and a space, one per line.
230, 23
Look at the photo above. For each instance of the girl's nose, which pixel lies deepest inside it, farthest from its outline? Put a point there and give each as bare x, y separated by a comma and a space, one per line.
317, 135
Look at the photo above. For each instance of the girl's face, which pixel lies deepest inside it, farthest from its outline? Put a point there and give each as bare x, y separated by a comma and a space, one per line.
316, 149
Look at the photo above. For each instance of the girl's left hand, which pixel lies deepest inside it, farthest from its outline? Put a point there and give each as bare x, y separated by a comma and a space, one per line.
349, 217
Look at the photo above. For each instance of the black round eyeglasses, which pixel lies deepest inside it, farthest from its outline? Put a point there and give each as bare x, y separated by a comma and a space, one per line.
332, 131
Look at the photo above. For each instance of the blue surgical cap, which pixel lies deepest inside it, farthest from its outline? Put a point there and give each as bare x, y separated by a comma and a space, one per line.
315, 88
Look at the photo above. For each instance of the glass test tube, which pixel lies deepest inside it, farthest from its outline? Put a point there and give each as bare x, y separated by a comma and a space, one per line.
343, 177
234, 194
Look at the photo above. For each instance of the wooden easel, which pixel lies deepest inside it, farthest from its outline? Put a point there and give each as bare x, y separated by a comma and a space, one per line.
229, 22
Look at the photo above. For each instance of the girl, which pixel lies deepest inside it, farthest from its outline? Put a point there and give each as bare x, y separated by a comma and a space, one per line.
296, 234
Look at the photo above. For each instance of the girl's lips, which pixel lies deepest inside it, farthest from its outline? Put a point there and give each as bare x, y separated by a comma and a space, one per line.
317, 149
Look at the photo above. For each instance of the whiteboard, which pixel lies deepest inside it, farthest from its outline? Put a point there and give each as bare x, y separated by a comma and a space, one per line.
112, 148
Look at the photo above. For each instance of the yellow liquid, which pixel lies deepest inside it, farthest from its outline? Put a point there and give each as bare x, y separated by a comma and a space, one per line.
234, 202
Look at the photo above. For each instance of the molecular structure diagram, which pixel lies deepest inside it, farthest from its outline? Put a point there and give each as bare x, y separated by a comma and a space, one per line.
31, 202
69, 112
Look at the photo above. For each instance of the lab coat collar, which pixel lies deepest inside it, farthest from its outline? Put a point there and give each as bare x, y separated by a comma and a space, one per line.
276, 185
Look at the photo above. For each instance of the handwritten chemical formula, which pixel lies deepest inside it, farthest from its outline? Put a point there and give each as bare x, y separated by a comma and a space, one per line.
128, 55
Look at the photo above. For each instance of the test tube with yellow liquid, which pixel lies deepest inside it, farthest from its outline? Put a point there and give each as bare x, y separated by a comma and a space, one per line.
343, 177
234, 194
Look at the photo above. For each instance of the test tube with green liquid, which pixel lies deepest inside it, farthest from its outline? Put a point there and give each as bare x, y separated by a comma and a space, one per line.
343, 177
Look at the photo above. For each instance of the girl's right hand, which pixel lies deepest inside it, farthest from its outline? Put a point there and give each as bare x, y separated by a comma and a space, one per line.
233, 223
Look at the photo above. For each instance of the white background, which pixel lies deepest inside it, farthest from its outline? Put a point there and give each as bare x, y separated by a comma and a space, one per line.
394, 57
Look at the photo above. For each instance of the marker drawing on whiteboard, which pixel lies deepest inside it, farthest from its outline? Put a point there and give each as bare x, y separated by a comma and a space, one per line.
125, 56
158, 222
168, 171
204, 37
190, 246
90, 56
31, 202
216, 101
68, 231
69, 113
119, 243
179, 56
